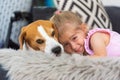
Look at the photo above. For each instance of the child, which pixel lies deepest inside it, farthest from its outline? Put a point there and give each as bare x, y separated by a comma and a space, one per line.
75, 37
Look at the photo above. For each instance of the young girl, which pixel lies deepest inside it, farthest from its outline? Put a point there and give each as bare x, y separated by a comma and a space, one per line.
75, 37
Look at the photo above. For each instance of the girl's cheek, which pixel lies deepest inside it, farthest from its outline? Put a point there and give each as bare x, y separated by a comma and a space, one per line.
68, 50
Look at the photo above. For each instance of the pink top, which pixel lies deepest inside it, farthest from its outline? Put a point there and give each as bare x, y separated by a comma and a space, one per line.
113, 48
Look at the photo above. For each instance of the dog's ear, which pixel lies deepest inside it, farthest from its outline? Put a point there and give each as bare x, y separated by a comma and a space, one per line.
22, 37
56, 31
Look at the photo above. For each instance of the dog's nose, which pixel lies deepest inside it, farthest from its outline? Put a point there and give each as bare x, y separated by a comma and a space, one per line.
57, 50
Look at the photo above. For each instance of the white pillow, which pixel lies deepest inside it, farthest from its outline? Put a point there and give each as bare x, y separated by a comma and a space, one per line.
111, 3
92, 11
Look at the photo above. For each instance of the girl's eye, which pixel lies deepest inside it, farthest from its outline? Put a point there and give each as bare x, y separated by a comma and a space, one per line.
40, 41
74, 38
67, 47
65, 44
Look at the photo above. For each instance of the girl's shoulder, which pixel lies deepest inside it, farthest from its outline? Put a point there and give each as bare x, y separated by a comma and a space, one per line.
92, 31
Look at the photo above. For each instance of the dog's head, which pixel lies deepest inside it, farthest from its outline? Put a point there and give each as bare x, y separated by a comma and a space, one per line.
40, 35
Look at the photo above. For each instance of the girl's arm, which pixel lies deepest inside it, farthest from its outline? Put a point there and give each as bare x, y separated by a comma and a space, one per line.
98, 43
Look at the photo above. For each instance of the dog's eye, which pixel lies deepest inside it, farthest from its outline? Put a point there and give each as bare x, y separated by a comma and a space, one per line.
53, 33
39, 41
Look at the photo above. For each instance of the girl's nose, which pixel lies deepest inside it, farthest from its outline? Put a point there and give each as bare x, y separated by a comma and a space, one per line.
73, 45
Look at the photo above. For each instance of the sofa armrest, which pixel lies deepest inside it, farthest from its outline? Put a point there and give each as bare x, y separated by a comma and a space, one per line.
3, 74
114, 15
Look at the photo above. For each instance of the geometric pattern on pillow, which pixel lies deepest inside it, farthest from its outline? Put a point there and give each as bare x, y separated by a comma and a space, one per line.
92, 12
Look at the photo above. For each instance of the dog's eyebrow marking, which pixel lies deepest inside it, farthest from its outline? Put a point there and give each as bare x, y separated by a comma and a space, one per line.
42, 31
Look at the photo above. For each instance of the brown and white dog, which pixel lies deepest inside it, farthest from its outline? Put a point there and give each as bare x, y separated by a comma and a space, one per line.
40, 35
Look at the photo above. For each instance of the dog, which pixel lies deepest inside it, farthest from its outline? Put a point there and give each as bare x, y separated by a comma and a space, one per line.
40, 35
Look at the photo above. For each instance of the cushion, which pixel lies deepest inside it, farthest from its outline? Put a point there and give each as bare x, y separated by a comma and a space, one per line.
114, 14
42, 12
92, 11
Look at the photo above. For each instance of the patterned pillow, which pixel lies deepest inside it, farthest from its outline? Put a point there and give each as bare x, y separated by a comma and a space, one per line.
92, 11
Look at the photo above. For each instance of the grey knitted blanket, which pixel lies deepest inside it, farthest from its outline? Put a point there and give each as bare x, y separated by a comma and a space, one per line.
33, 65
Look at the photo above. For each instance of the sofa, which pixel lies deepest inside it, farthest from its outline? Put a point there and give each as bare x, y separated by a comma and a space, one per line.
114, 16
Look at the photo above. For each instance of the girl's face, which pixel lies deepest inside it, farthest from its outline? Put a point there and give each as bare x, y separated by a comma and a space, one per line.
72, 38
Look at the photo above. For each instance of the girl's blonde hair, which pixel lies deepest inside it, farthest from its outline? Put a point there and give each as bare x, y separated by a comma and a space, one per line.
59, 19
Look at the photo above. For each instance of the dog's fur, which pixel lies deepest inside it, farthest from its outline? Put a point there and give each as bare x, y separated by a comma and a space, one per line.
40, 35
